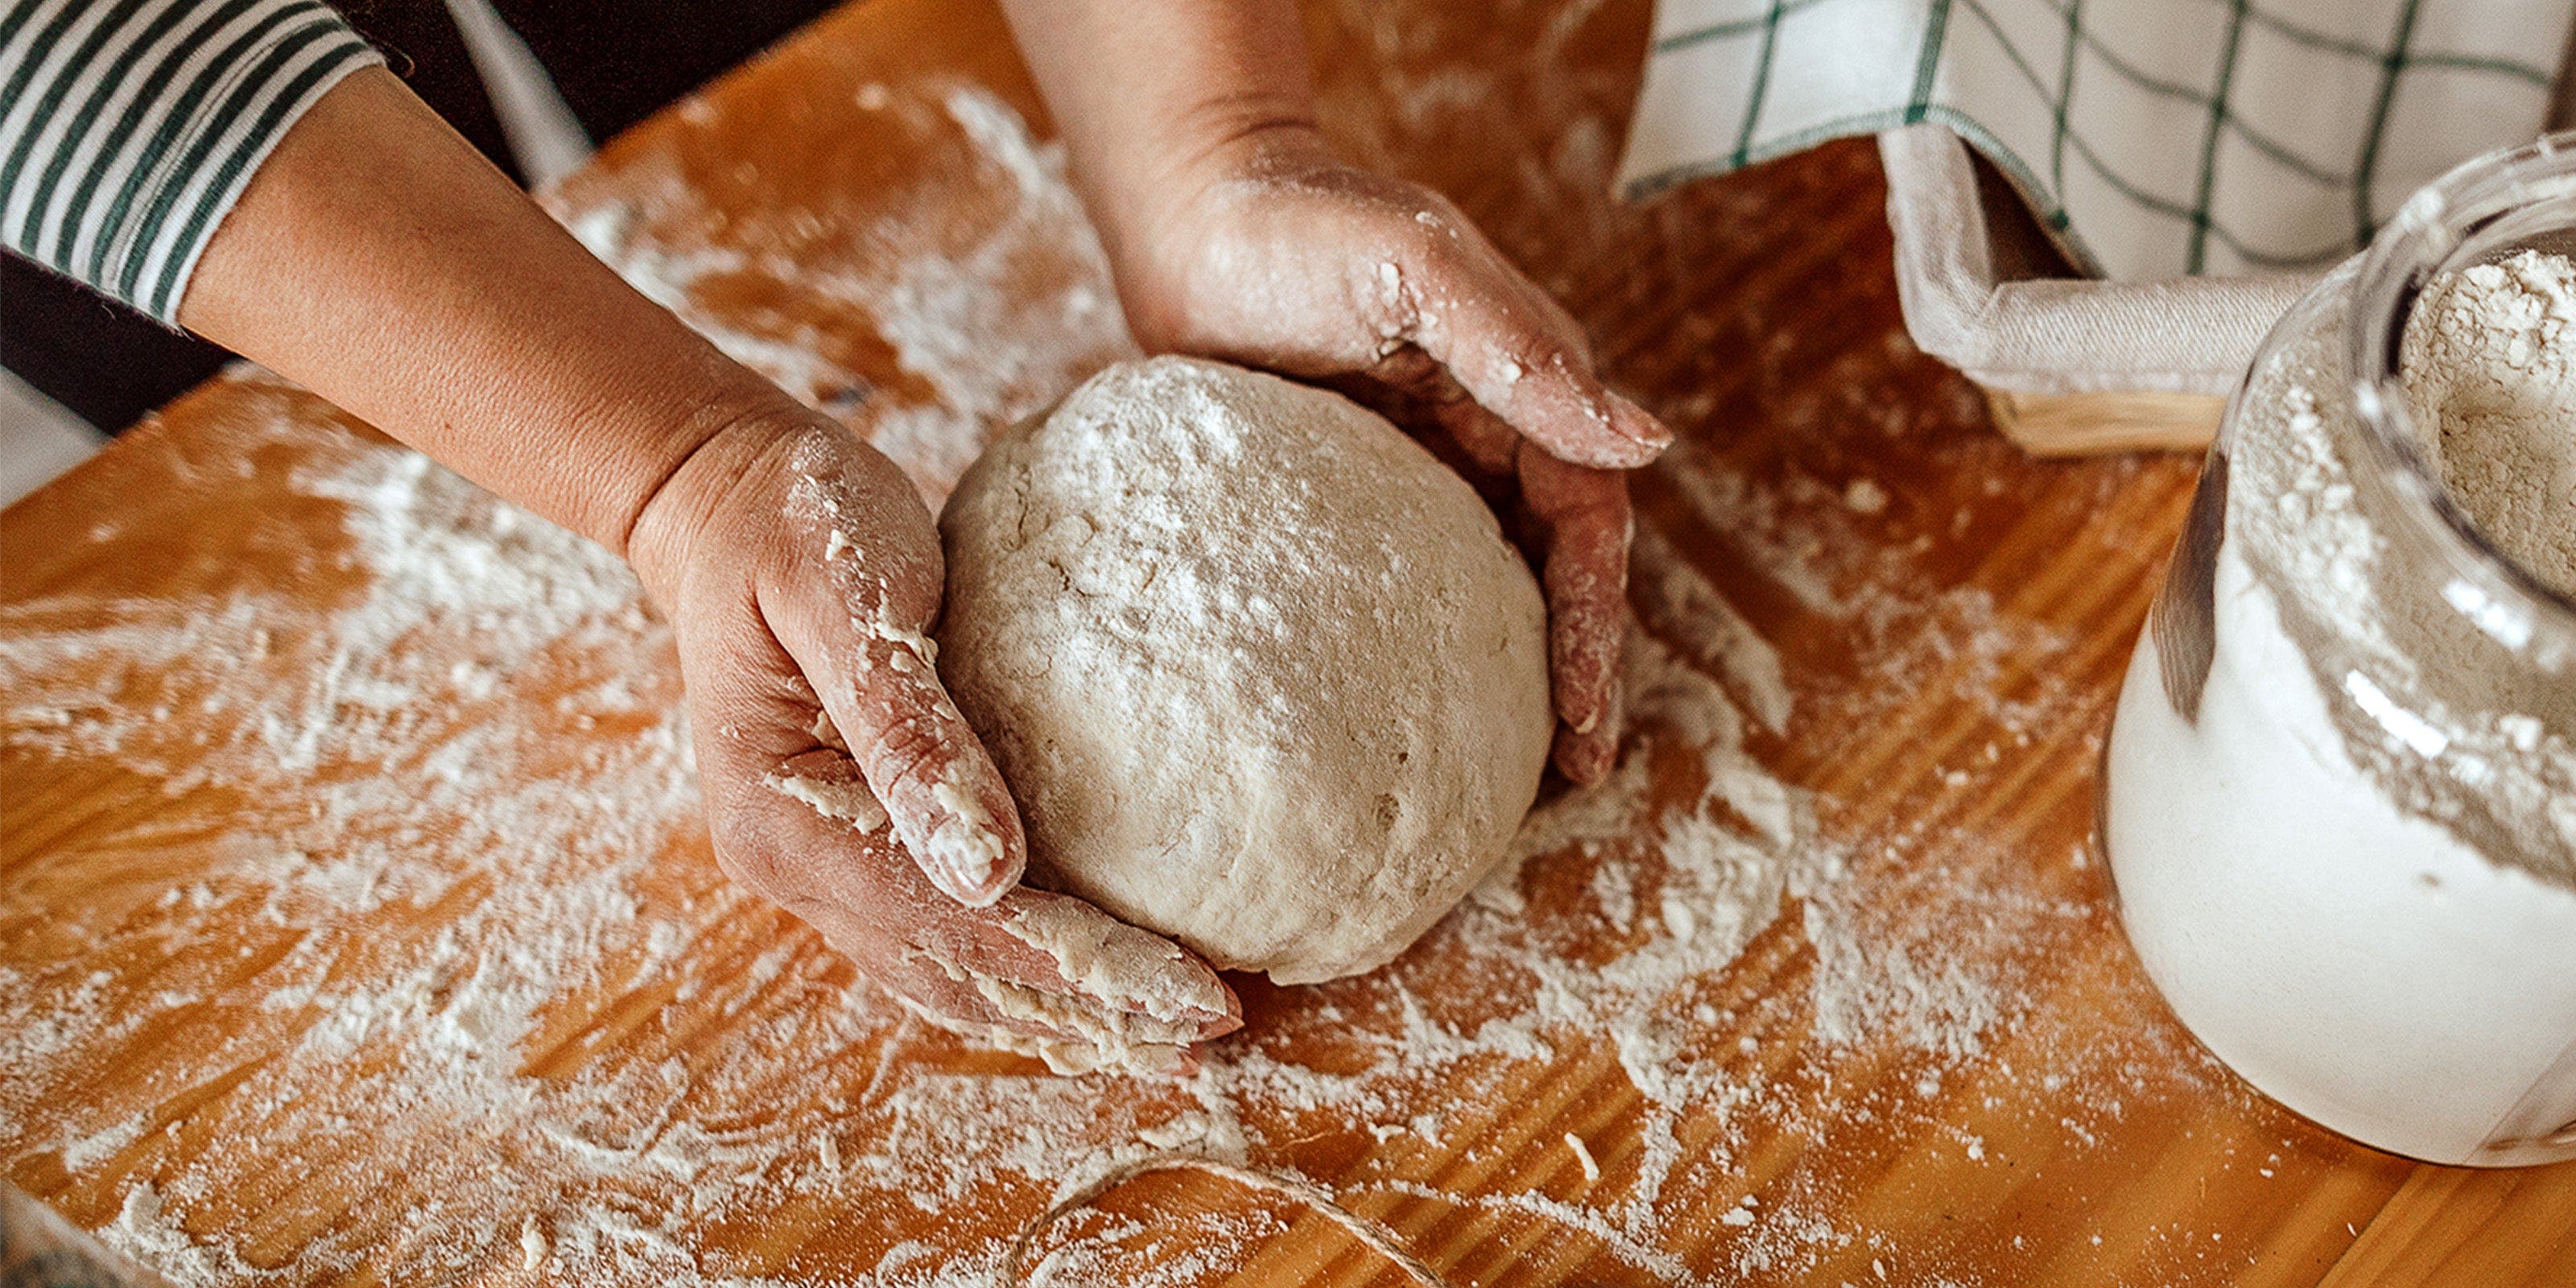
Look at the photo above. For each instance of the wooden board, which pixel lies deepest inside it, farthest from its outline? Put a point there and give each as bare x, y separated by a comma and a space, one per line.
2088, 424
282, 1000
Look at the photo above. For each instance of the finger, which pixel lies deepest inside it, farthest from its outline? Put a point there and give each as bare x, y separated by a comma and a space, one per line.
1113, 996
1582, 526
1036, 972
990, 1014
850, 603
794, 820
946, 799
961, 1011
1516, 352
1416, 389
984, 973
1583, 519
1585, 758
1031, 939
1130, 969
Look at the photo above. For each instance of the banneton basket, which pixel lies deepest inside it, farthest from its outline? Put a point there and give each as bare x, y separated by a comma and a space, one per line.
2070, 365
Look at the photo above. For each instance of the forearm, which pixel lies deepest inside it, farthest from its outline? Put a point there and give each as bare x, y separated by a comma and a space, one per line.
1145, 94
382, 263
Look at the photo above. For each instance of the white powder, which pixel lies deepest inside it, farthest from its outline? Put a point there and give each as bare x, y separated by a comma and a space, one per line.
1583, 1156
142, 1232
994, 209
561, 904
850, 802
2490, 358
517, 947
2449, 726
2349, 867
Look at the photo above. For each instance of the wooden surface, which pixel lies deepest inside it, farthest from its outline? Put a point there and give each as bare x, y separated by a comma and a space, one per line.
2087, 424
1952, 654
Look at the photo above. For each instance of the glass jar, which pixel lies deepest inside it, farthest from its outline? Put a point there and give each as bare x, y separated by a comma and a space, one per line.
2339, 795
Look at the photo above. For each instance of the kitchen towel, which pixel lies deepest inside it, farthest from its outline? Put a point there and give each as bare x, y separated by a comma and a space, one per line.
2197, 161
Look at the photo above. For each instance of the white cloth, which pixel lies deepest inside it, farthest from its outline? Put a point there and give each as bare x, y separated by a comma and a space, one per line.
2154, 141
2056, 335
2157, 138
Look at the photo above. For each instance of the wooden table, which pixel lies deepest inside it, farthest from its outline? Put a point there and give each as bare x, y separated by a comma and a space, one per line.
355, 924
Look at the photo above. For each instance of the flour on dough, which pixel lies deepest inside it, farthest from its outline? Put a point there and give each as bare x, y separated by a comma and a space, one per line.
1263, 675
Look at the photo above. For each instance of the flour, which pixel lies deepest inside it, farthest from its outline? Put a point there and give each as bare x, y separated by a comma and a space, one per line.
2351, 864
1583, 1155
2490, 358
2451, 728
460, 831
850, 802
997, 210
1100, 954
142, 1232
618, 1166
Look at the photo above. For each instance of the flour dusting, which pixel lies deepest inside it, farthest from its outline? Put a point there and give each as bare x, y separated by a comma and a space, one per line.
423, 868
990, 321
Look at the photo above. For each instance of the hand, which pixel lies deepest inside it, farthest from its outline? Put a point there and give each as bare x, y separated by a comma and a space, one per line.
434, 300
801, 573
1271, 252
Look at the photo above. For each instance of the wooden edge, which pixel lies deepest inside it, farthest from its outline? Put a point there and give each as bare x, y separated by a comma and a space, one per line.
2087, 424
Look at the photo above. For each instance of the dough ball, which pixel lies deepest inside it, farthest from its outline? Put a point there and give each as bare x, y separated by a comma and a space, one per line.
1263, 674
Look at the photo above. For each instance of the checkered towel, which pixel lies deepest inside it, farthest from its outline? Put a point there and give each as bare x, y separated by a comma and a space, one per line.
2153, 138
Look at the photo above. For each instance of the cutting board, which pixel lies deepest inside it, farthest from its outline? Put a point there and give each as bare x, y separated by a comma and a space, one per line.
357, 924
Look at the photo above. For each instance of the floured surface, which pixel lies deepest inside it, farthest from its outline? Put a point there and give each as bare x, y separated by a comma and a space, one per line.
355, 917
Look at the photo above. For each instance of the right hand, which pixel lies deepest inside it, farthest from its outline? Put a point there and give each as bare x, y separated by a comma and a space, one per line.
434, 300
801, 573
1275, 253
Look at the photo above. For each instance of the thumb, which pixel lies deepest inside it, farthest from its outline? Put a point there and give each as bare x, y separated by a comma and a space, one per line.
849, 604
947, 800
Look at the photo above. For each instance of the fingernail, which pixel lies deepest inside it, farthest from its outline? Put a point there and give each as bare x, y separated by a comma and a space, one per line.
1633, 424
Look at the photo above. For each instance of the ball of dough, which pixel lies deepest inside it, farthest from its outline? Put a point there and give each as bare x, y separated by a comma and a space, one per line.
1263, 674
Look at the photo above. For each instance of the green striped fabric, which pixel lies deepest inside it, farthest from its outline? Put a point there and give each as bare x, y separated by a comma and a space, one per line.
2154, 138
128, 128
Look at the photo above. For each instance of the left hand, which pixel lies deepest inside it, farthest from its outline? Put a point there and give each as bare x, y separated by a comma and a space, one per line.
800, 574
1273, 253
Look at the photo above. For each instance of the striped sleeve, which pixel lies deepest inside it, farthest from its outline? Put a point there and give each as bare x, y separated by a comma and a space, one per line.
128, 128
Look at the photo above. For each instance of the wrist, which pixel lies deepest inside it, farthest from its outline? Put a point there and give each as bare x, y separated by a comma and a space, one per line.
1149, 207
671, 519
1172, 241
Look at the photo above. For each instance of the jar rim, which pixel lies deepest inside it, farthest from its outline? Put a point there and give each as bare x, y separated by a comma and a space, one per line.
2471, 208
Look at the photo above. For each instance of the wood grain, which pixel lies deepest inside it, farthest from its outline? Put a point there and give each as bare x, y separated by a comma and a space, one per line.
2087, 424
1953, 653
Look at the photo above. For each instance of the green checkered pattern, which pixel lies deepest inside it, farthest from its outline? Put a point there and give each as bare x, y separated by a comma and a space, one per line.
2153, 137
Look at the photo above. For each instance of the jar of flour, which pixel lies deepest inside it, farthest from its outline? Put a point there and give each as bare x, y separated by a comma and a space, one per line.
2340, 791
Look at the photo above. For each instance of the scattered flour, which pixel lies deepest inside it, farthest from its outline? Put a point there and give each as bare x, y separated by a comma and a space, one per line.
978, 358
515, 945
1583, 1155
142, 1232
